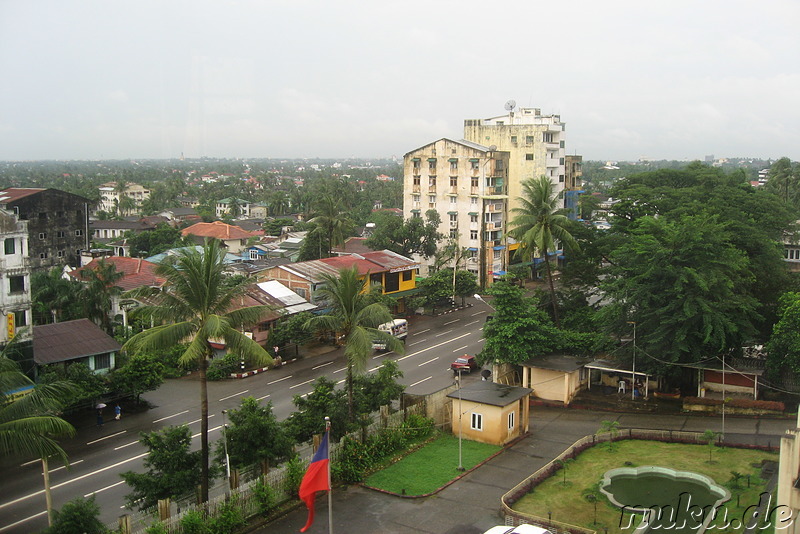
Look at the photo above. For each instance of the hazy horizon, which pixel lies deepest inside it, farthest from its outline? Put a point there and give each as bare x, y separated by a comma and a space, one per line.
274, 79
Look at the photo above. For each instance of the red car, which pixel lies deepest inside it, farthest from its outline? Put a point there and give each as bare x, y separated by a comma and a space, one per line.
465, 363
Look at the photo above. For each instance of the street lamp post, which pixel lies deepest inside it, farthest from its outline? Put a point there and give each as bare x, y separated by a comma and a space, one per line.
633, 380
225, 443
480, 298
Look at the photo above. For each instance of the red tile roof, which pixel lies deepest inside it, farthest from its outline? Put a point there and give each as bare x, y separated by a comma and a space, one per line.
15, 193
138, 272
217, 230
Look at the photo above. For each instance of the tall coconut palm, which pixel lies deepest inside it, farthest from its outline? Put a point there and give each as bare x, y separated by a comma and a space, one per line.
28, 426
538, 223
331, 219
196, 306
354, 317
100, 288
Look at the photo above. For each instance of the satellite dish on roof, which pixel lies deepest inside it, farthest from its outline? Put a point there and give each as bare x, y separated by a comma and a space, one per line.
510, 105
485, 374
492, 148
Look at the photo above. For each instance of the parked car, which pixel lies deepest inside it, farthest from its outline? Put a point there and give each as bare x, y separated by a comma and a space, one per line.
522, 529
465, 363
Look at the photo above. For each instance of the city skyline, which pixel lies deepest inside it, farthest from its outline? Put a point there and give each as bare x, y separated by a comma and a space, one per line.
241, 79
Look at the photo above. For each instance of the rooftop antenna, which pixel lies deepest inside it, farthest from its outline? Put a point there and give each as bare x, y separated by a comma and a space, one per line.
510, 105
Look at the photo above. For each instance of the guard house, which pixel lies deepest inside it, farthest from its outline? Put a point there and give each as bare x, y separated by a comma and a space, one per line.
490, 412
555, 377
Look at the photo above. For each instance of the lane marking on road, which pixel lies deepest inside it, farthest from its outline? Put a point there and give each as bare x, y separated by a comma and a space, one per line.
234, 395
106, 437
420, 341
264, 397
473, 322
63, 466
429, 361
12, 525
126, 445
198, 420
382, 354
421, 332
70, 481
461, 348
451, 322
420, 382
374, 369
433, 346
443, 333
104, 489
171, 416
279, 380
301, 384
322, 365
477, 313
340, 381
340, 370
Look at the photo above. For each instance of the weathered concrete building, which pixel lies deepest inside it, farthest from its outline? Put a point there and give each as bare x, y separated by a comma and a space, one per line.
467, 184
15, 282
57, 221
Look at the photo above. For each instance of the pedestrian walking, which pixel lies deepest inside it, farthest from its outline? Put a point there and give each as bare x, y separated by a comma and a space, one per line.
117, 412
99, 418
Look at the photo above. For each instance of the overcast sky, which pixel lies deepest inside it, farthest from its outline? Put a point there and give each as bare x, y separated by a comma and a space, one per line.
674, 79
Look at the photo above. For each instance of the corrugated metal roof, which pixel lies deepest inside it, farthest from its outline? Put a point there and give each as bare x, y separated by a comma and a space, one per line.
15, 193
491, 393
70, 340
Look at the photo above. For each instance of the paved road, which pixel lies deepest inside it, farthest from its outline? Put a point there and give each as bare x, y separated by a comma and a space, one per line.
472, 504
98, 455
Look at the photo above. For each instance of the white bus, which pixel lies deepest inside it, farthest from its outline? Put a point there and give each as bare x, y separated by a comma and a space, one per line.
398, 328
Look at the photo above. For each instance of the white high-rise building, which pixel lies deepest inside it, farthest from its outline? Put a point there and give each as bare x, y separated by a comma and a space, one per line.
467, 185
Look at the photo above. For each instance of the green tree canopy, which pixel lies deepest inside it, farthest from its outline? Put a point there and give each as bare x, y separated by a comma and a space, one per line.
141, 372
254, 435
324, 401
407, 237
784, 344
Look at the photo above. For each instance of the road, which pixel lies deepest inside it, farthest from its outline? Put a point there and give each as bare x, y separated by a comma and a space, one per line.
99, 455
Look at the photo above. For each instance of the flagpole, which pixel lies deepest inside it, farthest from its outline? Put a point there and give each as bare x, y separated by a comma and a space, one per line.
330, 486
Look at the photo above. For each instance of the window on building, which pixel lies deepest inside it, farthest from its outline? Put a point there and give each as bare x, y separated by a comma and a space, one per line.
498, 165
102, 361
407, 275
43, 215
300, 291
10, 246
513, 138
415, 165
60, 233
391, 282
416, 214
20, 318
497, 254
474, 182
560, 161
511, 420
453, 217
453, 202
42, 235
416, 180
43, 255
476, 422
453, 167
78, 232
432, 199
528, 139
473, 201
561, 178
473, 235
454, 181
253, 254
528, 157
431, 181
474, 165
59, 214
16, 284
60, 253
432, 166
473, 218
548, 137
415, 198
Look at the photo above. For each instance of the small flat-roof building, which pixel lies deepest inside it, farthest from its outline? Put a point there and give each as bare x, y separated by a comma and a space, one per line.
555, 377
490, 412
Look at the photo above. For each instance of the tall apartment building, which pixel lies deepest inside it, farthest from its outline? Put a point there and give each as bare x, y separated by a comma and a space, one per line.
15, 288
467, 184
535, 144
110, 198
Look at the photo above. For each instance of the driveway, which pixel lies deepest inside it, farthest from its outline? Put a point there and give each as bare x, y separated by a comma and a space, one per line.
472, 504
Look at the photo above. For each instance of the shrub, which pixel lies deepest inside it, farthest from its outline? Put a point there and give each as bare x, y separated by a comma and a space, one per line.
295, 469
738, 403
266, 496
229, 518
193, 522
221, 368
78, 515
417, 427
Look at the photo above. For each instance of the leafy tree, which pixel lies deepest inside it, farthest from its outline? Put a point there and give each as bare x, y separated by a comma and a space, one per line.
275, 226
172, 470
194, 304
292, 329
681, 281
437, 289
98, 291
160, 239
518, 330
54, 298
710, 437
78, 516
784, 181
355, 319
538, 223
87, 385
254, 435
141, 372
324, 401
379, 389
407, 237
783, 348
28, 426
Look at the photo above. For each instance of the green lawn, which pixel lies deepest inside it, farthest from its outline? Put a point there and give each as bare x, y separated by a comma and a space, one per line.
431, 466
568, 503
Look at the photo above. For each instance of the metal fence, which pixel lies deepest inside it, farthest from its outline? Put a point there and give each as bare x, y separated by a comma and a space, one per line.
515, 518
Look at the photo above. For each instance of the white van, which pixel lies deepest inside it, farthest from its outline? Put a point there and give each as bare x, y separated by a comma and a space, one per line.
398, 328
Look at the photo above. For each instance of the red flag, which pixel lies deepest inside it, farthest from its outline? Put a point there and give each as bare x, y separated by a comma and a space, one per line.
315, 479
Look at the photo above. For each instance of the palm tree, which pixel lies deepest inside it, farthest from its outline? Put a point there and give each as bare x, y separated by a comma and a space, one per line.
196, 306
52, 295
354, 317
538, 222
28, 426
331, 219
100, 289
